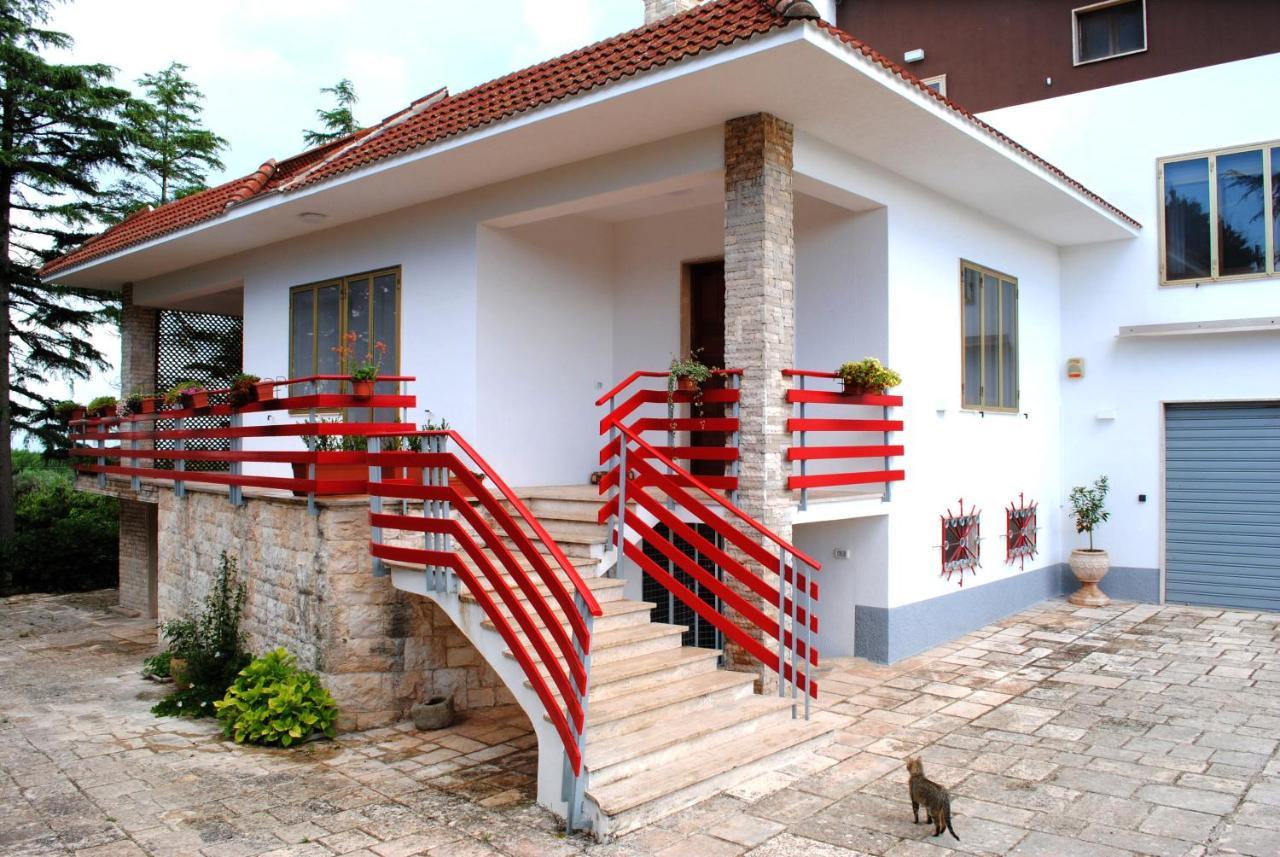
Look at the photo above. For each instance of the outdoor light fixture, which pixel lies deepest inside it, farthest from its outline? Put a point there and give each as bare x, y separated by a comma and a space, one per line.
313, 218
914, 56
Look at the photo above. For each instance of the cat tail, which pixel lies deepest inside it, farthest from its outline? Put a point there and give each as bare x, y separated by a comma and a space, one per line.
951, 829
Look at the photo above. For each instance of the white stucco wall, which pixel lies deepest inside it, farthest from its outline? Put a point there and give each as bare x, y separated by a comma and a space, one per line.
1111, 139
951, 453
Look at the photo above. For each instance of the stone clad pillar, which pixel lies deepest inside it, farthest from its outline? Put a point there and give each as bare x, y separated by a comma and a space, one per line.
759, 263
138, 553
656, 10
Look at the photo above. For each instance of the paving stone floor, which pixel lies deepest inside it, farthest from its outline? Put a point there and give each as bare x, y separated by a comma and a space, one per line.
1132, 729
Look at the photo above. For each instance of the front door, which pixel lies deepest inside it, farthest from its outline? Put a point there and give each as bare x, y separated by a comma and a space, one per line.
706, 340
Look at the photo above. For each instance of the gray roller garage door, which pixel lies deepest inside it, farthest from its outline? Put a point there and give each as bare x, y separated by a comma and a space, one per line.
1222, 505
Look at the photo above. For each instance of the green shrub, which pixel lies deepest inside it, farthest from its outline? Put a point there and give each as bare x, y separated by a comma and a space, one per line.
274, 702
65, 540
869, 375
212, 646
157, 665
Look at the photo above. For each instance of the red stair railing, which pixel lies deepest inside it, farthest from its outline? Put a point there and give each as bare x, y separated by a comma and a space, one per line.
463, 546
646, 419
802, 424
639, 468
124, 445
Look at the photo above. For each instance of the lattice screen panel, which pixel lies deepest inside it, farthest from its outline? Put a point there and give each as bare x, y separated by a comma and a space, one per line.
199, 347
672, 610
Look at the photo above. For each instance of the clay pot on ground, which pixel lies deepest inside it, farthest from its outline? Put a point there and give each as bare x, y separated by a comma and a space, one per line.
436, 713
1089, 567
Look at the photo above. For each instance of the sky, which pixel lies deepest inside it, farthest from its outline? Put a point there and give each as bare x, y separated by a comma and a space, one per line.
261, 65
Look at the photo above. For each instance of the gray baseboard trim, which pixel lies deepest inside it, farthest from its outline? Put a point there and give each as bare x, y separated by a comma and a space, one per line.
888, 634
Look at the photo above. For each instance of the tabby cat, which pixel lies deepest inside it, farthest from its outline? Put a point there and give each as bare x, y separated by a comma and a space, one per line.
935, 798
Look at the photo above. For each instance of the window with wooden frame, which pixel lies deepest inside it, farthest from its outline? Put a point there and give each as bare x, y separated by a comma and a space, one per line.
989, 320
1218, 214
1103, 31
322, 314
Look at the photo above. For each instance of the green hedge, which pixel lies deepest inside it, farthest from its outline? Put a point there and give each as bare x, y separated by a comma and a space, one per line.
66, 541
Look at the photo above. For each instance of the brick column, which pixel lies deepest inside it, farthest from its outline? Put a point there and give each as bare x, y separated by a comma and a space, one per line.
759, 268
138, 329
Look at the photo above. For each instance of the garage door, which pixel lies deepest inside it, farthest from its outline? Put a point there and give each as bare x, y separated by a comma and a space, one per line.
1222, 505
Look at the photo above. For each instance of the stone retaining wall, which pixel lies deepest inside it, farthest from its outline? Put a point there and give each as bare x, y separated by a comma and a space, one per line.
310, 589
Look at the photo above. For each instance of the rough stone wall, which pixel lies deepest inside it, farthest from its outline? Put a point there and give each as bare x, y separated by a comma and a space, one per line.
138, 329
655, 10
759, 267
309, 588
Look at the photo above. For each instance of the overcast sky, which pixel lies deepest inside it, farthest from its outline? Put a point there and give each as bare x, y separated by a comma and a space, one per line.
261, 63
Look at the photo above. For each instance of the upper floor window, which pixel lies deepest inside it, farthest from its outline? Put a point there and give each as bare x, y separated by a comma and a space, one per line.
1218, 214
322, 314
989, 310
1111, 29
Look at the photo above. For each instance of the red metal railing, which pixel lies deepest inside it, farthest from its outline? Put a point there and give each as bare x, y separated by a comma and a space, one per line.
641, 471
124, 445
802, 424
710, 438
466, 530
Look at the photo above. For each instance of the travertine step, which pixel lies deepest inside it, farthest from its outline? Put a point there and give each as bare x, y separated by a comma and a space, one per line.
650, 671
608, 718
603, 588
576, 540
614, 615
623, 643
660, 790
670, 738
546, 510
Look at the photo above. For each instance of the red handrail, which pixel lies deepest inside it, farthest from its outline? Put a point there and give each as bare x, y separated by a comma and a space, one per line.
742, 516
648, 373
550, 645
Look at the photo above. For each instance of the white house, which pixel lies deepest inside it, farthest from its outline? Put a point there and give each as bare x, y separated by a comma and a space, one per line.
746, 179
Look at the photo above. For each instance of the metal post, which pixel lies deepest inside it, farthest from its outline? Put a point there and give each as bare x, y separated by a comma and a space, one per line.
622, 505
888, 460
614, 434
446, 513
782, 623
235, 493
579, 785
102, 459
375, 500
180, 464
808, 642
804, 463
795, 635
431, 509
135, 482
735, 383
312, 509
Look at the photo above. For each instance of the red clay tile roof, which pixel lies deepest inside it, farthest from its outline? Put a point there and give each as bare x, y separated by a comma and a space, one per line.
439, 116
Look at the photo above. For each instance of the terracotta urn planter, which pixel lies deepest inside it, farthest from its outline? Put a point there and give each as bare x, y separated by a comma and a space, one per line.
1089, 567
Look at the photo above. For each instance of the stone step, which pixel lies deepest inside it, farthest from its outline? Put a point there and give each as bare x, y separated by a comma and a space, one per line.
629, 642
575, 539
650, 671
580, 493
614, 615
585, 511
604, 589
631, 802
609, 718
671, 738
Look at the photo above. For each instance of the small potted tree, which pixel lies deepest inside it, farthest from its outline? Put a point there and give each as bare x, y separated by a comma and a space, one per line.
867, 376
1089, 565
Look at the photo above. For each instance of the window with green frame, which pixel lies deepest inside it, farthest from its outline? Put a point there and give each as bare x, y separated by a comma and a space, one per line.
322, 314
989, 311
1219, 214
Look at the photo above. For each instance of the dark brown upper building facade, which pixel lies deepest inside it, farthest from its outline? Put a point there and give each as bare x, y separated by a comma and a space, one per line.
987, 54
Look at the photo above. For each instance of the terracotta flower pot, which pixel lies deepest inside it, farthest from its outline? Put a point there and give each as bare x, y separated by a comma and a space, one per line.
77, 414
265, 391
195, 400
333, 472
1089, 567
686, 385
362, 389
148, 405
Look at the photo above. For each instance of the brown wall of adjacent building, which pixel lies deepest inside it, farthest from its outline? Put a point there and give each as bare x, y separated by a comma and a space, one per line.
996, 53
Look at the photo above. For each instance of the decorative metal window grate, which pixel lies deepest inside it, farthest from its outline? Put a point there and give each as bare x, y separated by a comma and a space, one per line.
204, 348
961, 542
672, 610
1020, 532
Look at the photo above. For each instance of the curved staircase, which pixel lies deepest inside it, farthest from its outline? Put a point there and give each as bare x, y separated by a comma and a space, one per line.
665, 725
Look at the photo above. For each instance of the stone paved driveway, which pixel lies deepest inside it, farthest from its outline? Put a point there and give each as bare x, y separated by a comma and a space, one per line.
1127, 730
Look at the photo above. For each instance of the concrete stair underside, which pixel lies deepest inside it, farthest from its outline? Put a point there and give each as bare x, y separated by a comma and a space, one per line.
666, 727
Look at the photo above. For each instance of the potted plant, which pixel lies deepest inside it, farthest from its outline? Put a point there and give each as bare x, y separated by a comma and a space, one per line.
867, 376
102, 406
264, 390
364, 375
1090, 564
243, 389
66, 411
187, 394
337, 458
687, 376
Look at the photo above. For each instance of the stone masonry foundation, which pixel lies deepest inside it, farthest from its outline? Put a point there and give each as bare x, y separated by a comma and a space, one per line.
309, 588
